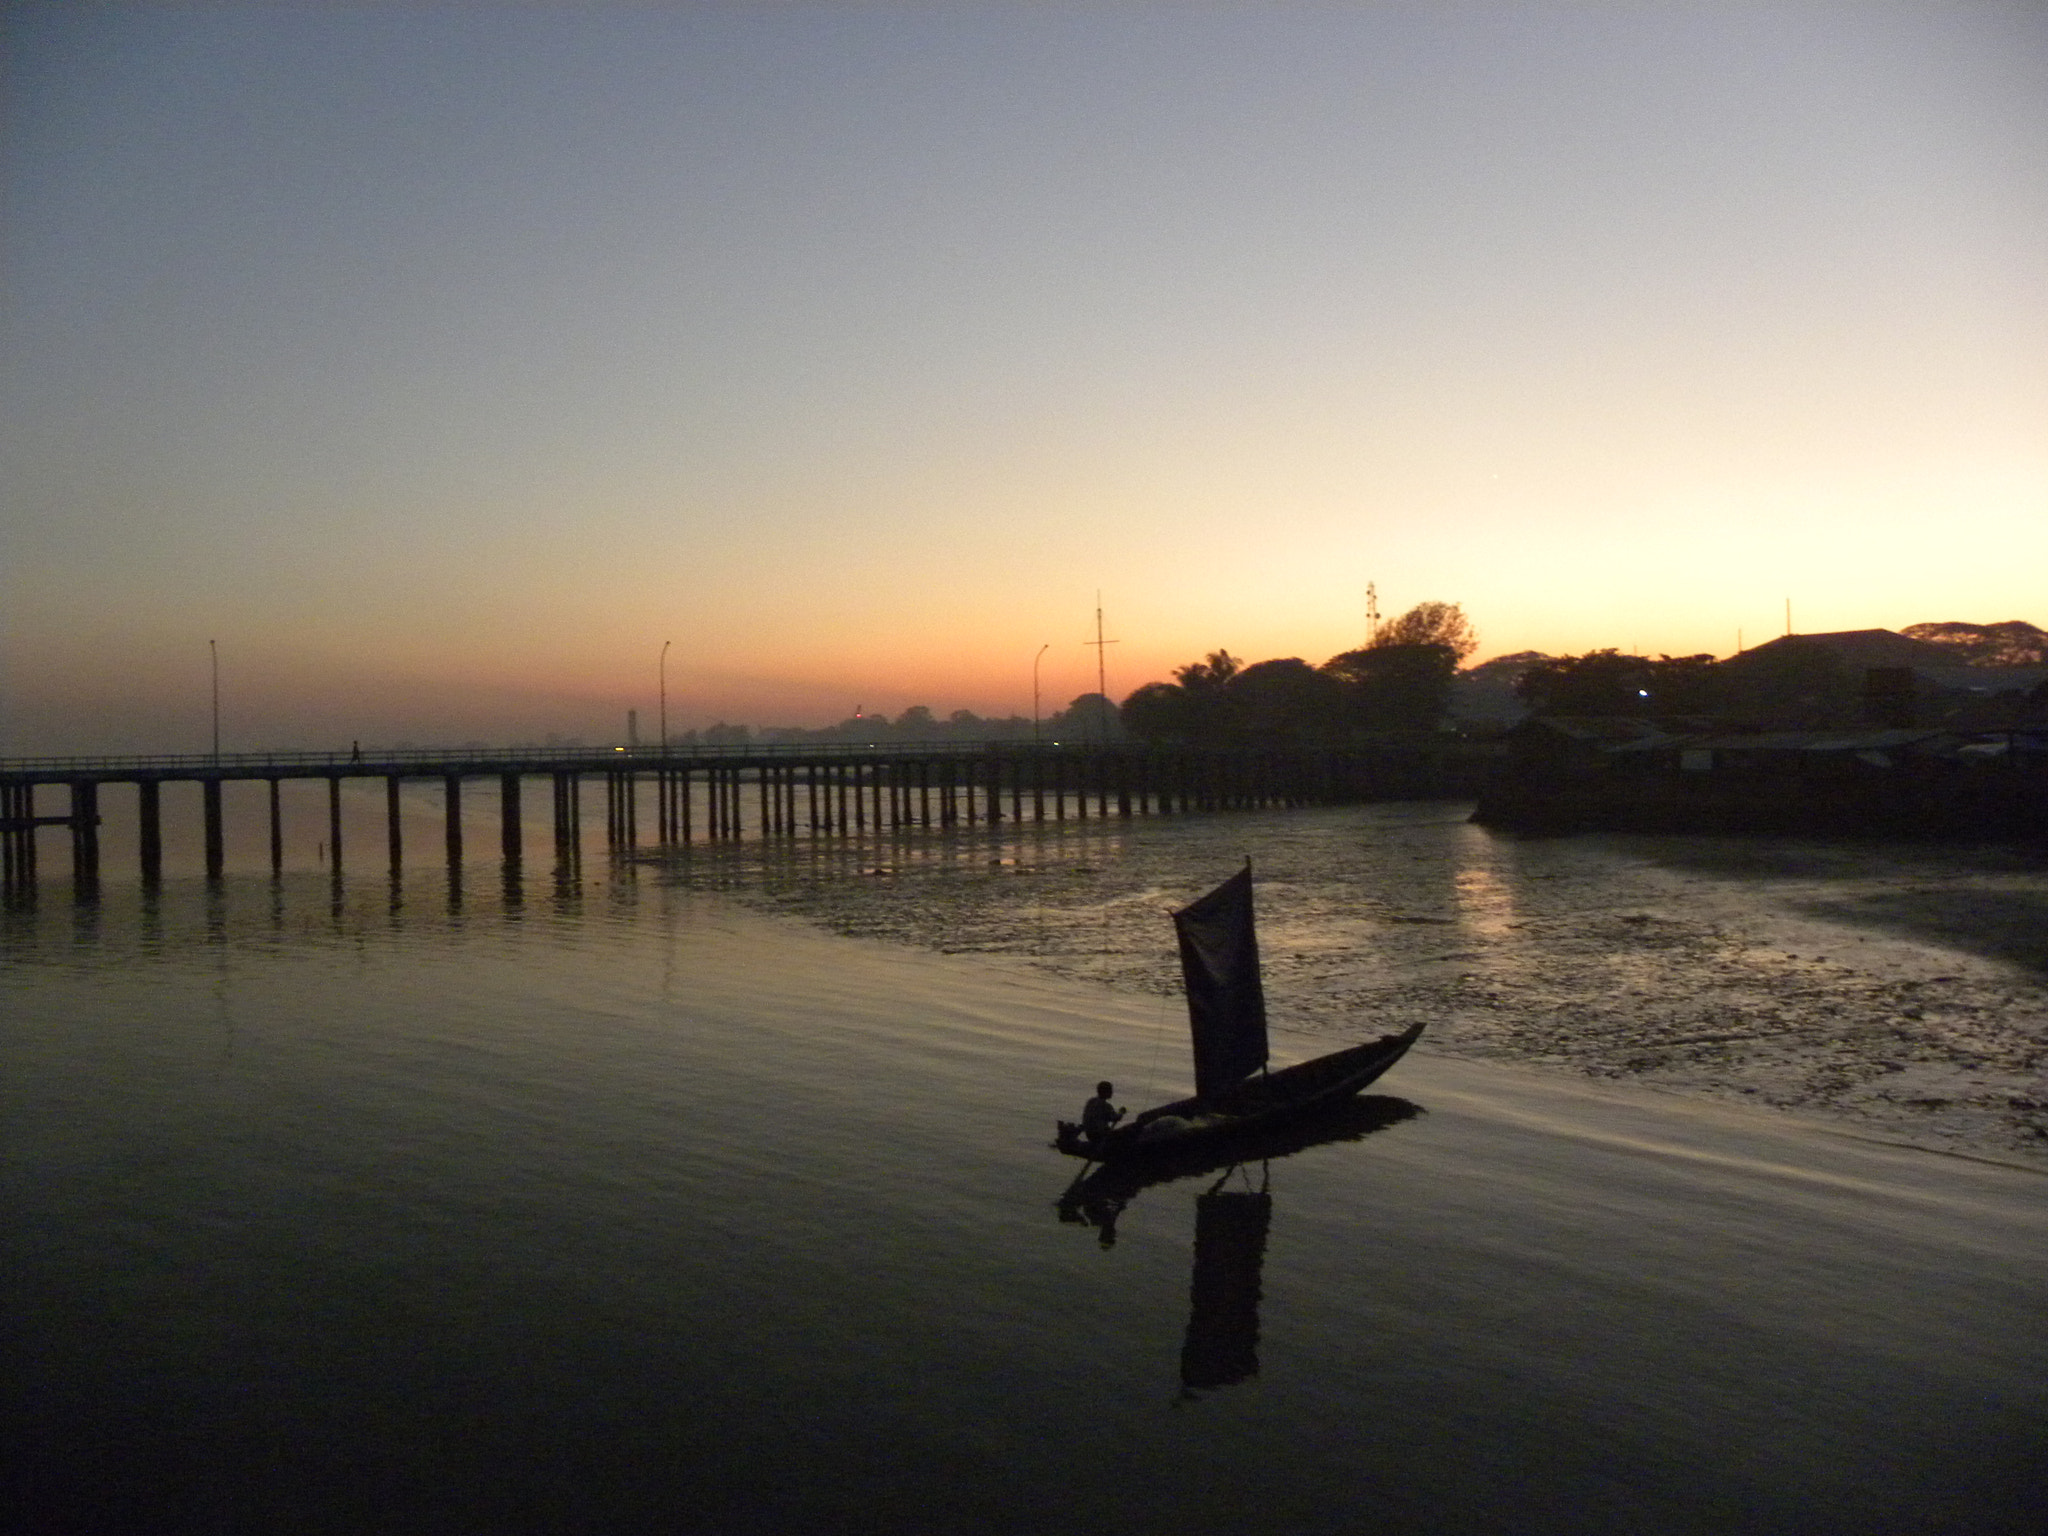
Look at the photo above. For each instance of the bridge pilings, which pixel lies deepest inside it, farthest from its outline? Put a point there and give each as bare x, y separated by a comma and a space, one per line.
394, 835
216, 857
334, 822
149, 828
85, 837
509, 841
452, 789
706, 797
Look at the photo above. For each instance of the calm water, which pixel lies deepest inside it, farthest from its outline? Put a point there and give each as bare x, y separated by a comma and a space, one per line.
623, 1209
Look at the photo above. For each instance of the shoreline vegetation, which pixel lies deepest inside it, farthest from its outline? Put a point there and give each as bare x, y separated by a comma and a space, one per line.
1411, 676
1893, 990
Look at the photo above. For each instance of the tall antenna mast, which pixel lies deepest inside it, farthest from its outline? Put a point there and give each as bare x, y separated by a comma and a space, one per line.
1101, 674
1372, 613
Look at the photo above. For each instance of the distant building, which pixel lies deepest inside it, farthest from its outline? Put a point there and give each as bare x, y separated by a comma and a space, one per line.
1575, 773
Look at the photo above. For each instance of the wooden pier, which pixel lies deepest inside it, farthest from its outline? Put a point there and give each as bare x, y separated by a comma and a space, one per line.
698, 795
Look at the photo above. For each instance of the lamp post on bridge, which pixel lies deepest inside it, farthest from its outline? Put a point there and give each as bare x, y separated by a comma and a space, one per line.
1034, 689
662, 671
213, 651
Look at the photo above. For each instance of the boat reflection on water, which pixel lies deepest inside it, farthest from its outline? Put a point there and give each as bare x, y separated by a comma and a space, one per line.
1222, 1343
1098, 1195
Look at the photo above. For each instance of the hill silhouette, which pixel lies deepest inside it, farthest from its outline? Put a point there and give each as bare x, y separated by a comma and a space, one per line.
2014, 643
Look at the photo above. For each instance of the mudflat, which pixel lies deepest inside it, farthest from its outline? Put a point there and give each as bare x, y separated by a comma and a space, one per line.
1897, 988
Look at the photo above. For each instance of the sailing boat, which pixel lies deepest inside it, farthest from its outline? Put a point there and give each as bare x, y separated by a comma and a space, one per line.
1219, 961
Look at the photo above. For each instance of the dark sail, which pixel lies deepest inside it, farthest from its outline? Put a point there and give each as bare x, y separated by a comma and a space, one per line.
1219, 960
1222, 1344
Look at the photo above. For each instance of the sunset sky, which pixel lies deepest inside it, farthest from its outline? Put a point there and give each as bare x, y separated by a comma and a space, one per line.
440, 363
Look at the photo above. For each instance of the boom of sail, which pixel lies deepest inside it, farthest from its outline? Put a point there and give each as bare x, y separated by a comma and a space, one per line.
1219, 961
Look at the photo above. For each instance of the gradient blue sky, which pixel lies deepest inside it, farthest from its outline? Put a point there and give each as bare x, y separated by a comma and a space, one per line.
441, 363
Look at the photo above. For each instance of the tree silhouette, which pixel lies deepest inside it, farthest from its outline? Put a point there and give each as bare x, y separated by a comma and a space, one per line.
1213, 671
1431, 623
1161, 713
1394, 687
1607, 682
1286, 701
1090, 717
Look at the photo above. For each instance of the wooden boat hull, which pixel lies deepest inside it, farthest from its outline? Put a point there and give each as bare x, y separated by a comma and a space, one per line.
1258, 1103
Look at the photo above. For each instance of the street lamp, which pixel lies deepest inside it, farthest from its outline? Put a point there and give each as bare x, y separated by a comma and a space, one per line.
1034, 689
663, 672
213, 651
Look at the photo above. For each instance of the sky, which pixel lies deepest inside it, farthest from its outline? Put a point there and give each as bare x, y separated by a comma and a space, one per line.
447, 368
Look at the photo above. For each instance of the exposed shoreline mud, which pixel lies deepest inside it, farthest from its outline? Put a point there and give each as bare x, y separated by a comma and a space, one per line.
1900, 990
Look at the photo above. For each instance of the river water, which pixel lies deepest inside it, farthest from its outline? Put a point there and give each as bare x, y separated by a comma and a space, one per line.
648, 1202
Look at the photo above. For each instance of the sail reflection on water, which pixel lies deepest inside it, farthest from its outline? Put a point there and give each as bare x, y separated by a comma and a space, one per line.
1222, 1345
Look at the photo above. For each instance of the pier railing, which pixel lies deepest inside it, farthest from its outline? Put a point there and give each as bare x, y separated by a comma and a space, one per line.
592, 759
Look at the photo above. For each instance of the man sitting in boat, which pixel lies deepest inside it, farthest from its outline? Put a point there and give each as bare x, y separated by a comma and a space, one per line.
1098, 1115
